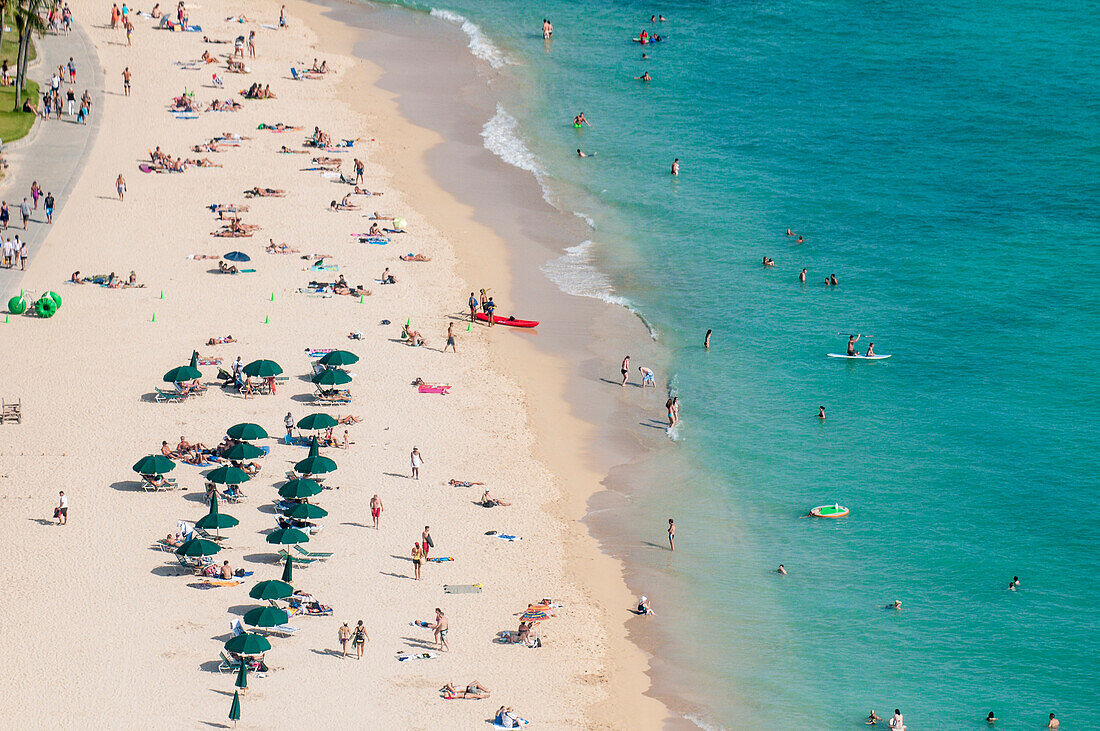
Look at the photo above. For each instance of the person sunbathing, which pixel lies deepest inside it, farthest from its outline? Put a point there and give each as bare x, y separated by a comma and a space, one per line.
327, 161
75, 278
474, 690
363, 191
204, 162
413, 337
226, 269
206, 55
220, 341
343, 205
388, 278
463, 483
196, 458
287, 151
273, 248
157, 480
349, 419
236, 67
489, 501
374, 230
226, 571
265, 192
229, 233
185, 446
376, 216
234, 491
414, 257
173, 540
251, 468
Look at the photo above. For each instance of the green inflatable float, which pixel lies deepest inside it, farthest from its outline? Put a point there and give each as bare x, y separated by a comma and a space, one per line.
56, 299
17, 305
45, 306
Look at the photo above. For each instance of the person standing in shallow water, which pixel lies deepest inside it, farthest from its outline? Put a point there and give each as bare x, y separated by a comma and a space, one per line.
706, 340
676, 166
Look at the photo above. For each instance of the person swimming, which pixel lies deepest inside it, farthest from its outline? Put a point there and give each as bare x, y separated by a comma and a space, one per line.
644, 77
582, 153
781, 570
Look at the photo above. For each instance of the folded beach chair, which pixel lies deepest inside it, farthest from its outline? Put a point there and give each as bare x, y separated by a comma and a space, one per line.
283, 630
322, 555
170, 396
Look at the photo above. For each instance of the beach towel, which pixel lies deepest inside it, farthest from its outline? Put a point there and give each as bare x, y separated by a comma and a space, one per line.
462, 588
215, 583
508, 538
429, 388
319, 352
402, 656
441, 559
420, 623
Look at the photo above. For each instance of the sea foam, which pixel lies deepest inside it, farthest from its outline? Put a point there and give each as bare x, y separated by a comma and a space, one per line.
480, 45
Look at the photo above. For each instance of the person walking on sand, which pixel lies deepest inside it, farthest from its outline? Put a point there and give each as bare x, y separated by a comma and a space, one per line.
359, 639
440, 628
359, 167
288, 420
450, 338
63, 516
126, 75
376, 511
418, 559
120, 186
671, 535
344, 635
417, 462
625, 370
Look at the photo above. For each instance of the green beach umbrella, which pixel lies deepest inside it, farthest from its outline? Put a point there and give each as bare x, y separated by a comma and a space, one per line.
339, 358
243, 451
262, 368
246, 431
271, 589
181, 374
300, 488
287, 536
331, 377
215, 520
242, 683
314, 422
197, 547
154, 464
265, 617
226, 475
248, 643
288, 571
315, 466
305, 511
235, 709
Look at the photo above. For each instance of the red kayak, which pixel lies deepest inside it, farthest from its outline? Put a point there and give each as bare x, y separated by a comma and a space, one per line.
507, 320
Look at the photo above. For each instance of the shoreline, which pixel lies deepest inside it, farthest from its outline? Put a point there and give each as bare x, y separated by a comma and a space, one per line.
551, 402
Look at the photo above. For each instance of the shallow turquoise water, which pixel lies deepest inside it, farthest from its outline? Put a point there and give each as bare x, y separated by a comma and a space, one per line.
943, 160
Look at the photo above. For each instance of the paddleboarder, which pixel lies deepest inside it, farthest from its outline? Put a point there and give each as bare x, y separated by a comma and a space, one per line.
852, 340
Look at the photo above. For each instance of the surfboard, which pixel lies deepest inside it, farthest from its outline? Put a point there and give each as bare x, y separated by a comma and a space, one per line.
860, 357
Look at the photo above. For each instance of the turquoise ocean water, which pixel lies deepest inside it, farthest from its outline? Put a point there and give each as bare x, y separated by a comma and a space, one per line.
943, 160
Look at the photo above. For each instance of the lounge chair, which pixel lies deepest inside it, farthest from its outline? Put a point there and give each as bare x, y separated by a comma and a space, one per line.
163, 545
296, 560
234, 498
210, 536
321, 555
228, 664
283, 630
170, 396
299, 607
149, 486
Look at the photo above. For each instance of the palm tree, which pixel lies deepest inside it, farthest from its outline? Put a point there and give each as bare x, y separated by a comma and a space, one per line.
28, 20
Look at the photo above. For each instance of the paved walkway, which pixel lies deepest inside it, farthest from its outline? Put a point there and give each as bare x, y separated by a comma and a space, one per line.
55, 151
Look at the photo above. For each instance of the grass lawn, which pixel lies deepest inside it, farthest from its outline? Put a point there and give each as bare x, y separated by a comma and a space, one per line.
10, 47
15, 125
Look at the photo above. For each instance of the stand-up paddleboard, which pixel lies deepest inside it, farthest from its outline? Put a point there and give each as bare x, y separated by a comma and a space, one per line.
511, 321
830, 511
857, 356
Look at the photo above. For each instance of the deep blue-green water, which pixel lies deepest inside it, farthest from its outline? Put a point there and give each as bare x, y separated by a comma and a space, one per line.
943, 160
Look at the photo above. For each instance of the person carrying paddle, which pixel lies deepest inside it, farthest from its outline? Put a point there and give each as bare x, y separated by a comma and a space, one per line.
852, 340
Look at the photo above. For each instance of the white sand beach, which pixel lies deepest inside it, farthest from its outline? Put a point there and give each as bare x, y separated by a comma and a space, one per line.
103, 628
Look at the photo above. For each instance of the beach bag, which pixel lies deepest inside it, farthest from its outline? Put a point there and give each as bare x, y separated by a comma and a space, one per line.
57, 512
